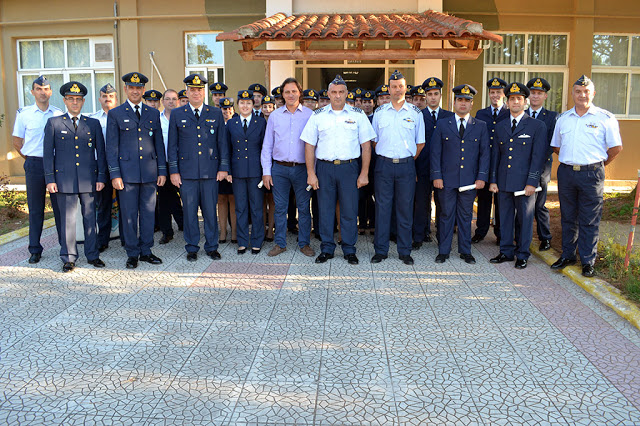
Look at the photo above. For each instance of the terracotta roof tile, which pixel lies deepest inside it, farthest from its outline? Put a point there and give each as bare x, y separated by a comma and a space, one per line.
426, 25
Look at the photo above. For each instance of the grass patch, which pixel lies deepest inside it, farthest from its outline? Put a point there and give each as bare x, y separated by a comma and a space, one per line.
618, 206
13, 218
610, 267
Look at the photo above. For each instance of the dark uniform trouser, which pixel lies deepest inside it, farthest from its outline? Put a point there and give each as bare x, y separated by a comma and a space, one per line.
36, 194
292, 222
516, 213
457, 209
394, 184
249, 200
580, 194
543, 221
338, 182
68, 205
104, 204
422, 208
285, 178
483, 222
138, 205
169, 204
201, 193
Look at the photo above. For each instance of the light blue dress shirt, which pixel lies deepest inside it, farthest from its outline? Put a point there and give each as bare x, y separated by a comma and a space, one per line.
29, 125
398, 132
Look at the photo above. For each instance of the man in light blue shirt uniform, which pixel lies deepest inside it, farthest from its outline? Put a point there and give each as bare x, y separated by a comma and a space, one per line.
104, 199
586, 139
334, 135
28, 138
400, 138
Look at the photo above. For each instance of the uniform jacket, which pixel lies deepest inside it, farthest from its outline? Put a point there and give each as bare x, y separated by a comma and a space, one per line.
74, 159
549, 119
460, 162
198, 148
135, 150
518, 157
245, 149
423, 162
486, 116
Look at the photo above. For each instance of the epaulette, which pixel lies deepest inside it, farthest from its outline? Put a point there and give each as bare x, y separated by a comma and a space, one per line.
19, 110
319, 110
607, 113
415, 108
356, 109
379, 108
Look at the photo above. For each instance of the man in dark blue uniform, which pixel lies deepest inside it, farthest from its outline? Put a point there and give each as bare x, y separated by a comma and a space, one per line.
491, 115
517, 158
218, 91
137, 165
432, 87
198, 158
152, 98
259, 92
460, 159
539, 87
75, 168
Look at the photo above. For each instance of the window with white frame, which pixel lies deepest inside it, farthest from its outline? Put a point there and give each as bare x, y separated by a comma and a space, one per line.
616, 73
205, 56
87, 60
523, 56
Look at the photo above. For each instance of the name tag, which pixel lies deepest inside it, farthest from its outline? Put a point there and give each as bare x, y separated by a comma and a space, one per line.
524, 136
63, 132
184, 121
349, 121
408, 120
592, 126
126, 121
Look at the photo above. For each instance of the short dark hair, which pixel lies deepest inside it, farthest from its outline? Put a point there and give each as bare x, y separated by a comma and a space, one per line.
293, 80
169, 90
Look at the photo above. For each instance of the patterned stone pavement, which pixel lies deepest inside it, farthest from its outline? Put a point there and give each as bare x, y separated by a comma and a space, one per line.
259, 340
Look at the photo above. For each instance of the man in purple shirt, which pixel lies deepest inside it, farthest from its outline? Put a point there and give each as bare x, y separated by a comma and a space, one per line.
283, 166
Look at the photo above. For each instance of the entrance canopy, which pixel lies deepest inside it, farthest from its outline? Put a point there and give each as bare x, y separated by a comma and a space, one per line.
462, 36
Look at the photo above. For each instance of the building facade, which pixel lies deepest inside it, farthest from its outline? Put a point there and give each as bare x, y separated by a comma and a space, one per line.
97, 42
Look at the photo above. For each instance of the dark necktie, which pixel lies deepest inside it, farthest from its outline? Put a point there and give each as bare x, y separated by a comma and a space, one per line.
495, 114
533, 114
462, 128
138, 111
75, 122
433, 114
514, 123
197, 114
244, 125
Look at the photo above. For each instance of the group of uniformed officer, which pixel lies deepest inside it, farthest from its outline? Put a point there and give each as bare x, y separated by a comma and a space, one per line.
330, 143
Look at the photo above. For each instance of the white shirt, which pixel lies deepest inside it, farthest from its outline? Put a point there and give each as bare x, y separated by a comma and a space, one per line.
495, 110
398, 132
193, 109
518, 118
164, 123
29, 125
465, 118
537, 111
133, 106
247, 119
585, 140
101, 116
337, 135
431, 111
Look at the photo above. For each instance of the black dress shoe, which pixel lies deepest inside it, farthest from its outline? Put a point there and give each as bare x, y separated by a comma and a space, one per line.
214, 255
102, 249
501, 258
242, 250
377, 258
351, 258
222, 241
151, 258
416, 245
441, 258
476, 239
268, 239
406, 259
427, 238
68, 266
323, 257
498, 242
562, 262
544, 245
255, 250
132, 262
234, 241
468, 258
588, 271
165, 239
521, 263
35, 258
192, 256
293, 230
97, 263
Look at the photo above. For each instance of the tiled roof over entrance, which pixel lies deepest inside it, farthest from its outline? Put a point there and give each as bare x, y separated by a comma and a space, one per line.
430, 25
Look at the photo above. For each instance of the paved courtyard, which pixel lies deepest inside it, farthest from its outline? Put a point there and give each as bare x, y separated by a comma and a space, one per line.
259, 340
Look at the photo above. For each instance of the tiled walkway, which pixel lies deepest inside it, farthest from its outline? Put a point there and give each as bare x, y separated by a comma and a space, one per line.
259, 340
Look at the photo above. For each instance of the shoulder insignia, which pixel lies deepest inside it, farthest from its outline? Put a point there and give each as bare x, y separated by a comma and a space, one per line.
607, 113
415, 108
19, 110
320, 110
356, 109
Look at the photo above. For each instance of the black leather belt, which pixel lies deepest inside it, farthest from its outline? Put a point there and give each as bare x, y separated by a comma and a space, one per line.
395, 160
288, 163
594, 166
338, 162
